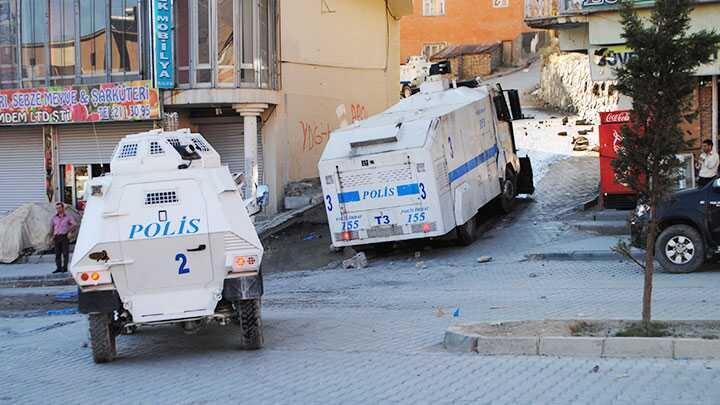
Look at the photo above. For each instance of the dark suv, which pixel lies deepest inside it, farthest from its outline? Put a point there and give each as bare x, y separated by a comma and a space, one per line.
688, 228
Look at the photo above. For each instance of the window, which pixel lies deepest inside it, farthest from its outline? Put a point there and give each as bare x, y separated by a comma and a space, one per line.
93, 37
433, 7
8, 44
431, 49
500, 3
225, 43
182, 40
34, 37
124, 53
62, 42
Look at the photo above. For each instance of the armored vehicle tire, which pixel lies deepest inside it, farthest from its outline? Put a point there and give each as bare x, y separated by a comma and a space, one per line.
508, 193
680, 249
467, 232
102, 337
250, 319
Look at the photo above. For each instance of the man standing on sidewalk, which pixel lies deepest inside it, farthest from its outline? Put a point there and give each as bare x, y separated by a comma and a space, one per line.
708, 163
62, 225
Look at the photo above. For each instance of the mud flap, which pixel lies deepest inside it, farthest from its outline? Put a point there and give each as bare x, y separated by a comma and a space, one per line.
525, 179
102, 301
243, 288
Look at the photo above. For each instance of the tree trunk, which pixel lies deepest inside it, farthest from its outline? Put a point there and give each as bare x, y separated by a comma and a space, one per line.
649, 264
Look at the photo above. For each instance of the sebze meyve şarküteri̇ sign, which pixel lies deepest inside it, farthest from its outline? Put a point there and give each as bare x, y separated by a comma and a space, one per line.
124, 101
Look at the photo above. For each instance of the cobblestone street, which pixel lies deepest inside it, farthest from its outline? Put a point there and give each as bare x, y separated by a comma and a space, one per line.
373, 335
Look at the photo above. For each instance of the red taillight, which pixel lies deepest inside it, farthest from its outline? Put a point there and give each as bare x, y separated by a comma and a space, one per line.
84, 276
346, 235
251, 260
426, 228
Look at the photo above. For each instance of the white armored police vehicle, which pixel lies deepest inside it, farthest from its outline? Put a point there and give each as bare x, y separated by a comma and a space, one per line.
167, 238
425, 166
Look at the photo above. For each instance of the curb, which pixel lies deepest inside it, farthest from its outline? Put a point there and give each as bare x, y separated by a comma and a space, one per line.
50, 280
583, 255
563, 346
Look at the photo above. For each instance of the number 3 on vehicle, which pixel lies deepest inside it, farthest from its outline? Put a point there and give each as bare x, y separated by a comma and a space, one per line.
183, 269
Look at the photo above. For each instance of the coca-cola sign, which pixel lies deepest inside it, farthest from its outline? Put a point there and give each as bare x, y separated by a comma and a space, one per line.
615, 117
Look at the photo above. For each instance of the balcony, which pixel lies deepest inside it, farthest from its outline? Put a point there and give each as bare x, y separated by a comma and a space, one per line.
551, 13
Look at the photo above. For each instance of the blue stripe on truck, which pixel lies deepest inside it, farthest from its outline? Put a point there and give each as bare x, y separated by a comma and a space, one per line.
473, 163
408, 189
348, 196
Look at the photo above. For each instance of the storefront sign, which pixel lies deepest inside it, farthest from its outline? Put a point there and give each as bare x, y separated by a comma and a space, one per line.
162, 31
589, 4
126, 101
605, 59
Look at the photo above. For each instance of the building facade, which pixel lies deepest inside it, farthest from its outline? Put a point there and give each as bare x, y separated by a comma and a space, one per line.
593, 28
265, 81
436, 24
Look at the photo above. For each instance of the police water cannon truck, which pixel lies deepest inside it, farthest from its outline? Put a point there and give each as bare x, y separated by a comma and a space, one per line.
425, 166
167, 238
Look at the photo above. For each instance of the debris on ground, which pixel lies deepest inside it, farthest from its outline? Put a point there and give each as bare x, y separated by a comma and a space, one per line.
595, 369
582, 122
565, 120
348, 252
580, 143
484, 259
299, 194
595, 148
420, 265
562, 133
359, 261
311, 236
456, 313
64, 311
532, 275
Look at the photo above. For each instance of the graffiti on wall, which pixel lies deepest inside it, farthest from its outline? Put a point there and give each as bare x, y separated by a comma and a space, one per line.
315, 133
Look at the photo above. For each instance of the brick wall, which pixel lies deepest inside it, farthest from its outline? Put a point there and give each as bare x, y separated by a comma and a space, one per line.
464, 22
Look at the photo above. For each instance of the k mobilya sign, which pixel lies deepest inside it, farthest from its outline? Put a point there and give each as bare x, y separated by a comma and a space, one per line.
605, 59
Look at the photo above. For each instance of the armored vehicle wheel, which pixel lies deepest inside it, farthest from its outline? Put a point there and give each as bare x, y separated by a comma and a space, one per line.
467, 232
102, 337
250, 319
680, 249
507, 196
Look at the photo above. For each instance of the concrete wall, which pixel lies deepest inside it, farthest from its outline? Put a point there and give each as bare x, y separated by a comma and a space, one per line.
338, 65
464, 22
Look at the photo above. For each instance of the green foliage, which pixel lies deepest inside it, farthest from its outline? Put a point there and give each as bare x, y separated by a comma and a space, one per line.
660, 81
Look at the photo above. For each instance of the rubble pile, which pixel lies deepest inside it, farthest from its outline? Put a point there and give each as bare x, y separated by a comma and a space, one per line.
565, 84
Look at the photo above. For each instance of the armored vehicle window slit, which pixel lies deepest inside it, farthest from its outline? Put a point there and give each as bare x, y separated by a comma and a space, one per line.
161, 197
155, 148
128, 150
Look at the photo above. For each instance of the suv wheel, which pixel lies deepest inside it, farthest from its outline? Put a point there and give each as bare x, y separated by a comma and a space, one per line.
248, 314
680, 249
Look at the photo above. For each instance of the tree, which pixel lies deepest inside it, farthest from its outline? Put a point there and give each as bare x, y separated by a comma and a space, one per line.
659, 80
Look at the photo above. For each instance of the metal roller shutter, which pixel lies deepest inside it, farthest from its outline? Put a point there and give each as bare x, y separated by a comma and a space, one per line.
77, 143
228, 140
22, 167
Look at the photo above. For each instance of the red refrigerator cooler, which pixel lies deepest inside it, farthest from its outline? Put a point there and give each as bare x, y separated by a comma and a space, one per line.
612, 193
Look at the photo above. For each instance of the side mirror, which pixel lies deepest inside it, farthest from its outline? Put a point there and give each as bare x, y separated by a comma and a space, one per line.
263, 195
716, 184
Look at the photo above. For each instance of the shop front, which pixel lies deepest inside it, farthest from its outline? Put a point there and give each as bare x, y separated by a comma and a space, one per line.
54, 139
